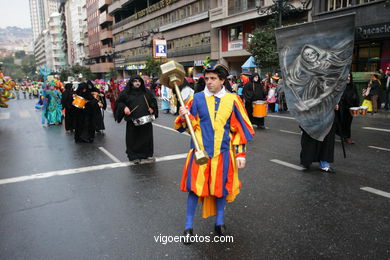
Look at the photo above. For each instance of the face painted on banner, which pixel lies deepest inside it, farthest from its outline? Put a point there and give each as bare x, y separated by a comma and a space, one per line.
310, 55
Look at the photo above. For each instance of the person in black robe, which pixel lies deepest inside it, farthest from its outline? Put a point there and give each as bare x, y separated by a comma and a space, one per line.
66, 101
350, 98
254, 91
83, 123
98, 111
134, 102
199, 87
317, 151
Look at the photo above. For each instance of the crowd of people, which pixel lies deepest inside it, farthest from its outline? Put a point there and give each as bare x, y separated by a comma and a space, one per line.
214, 102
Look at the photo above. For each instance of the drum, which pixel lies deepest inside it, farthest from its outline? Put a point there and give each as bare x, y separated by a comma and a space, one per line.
143, 120
79, 102
259, 108
363, 110
354, 111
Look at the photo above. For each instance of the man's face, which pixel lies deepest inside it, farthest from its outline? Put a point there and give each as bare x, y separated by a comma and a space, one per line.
136, 83
213, 82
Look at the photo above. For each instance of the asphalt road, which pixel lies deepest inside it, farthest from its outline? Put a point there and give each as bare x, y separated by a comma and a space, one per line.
62, 200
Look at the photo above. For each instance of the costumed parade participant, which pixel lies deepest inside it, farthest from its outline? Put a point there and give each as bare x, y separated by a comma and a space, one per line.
165, 99
138, 107
254, 91
113, 93
98, 109
350, 98
6, 86
52, 110
66, 101
315, 74
84, 129
222, 129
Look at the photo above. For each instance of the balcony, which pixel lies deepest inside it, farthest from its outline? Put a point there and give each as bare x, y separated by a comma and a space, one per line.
104, 3
105, 18
105, 49
103, 67
105, 34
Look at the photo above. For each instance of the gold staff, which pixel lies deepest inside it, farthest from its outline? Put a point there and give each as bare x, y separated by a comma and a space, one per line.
172, 75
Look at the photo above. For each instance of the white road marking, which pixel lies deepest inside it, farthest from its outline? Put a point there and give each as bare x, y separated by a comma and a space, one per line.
290, 132
285, 117
24, 114
376, 129
377, 192
85, 169
171, 129
109, 155
4, 115
296, 167
379, 148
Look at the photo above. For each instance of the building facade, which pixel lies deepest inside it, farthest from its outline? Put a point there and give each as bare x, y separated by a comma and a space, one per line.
55, 53
99, 26
372, 30
184, 24
39, 47
236, 21
75, 27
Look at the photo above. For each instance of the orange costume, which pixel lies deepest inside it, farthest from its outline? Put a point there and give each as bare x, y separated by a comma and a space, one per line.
222, 128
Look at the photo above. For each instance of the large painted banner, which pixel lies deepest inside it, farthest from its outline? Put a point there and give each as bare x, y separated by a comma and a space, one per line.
315, 60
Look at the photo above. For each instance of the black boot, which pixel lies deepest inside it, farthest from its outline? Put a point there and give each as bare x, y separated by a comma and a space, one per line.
188, 233
220, 230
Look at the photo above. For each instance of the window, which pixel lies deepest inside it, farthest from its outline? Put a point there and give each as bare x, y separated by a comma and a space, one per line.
235, 33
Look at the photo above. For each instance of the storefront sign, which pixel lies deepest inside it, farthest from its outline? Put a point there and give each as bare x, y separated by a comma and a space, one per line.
373, 31
198, 63
135, 67
235, 45
153, 8
159, 48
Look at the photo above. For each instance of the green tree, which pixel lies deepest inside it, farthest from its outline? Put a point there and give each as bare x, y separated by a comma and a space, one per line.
29, 66
20, 54
65, 73
152, 66
262, 46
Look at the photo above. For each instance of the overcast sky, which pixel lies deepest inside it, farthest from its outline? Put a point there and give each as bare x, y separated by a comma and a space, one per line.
15, 13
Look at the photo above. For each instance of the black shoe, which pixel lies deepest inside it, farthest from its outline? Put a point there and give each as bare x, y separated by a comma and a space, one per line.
328, 170
188, 233
261, 127
220, 230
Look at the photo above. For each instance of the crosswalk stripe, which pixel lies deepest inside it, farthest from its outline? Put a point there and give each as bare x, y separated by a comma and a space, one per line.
290, 165
376, 129
86, 169
377, 192
4, 115
24, 114
379, 148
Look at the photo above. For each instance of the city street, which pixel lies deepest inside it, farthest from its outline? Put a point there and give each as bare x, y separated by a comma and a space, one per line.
62, 200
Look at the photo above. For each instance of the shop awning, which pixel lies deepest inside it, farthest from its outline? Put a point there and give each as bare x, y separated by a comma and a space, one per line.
250, 63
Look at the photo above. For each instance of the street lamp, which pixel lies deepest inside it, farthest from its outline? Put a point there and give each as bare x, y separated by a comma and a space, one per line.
281, 7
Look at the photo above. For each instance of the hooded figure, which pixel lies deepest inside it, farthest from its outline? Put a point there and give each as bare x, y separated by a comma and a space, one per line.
134, 104
83, 122
254, 91
66, 101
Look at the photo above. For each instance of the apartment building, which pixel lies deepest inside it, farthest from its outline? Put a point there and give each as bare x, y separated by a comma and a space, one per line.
100, 39
372, 30
184, 24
